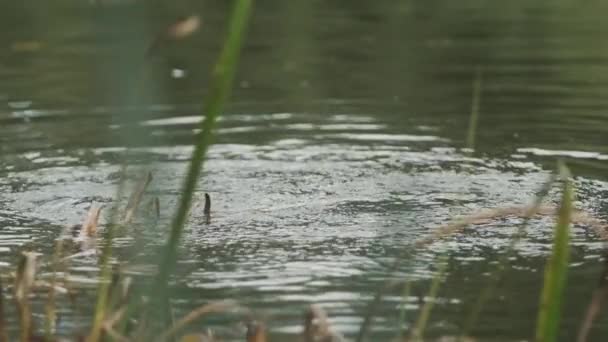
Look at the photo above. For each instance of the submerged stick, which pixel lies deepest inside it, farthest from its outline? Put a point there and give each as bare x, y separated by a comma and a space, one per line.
136, 197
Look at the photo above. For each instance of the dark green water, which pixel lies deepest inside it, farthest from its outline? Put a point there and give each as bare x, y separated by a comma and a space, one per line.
341, 147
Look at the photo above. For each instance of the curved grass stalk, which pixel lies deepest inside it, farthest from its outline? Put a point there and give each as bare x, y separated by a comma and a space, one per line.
221, 84
547, 326
503, 260
425, 312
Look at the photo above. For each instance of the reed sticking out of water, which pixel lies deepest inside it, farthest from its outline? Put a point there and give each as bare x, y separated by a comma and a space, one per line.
3, 333
425, 312
136, 197
475, 104
256, 332
207, 209
547, 327
24, 279
221, 84
317, 326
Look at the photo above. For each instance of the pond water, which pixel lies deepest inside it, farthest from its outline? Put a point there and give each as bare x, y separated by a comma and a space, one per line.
341, 147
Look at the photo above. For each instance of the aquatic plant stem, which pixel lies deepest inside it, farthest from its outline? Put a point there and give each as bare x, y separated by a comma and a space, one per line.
425, 312
486, 293
547, 326
475, 104
222, 78
3, 333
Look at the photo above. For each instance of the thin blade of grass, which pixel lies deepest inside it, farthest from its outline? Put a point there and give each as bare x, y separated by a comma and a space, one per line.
425, 312
3, 332
103, 291
503, 260
135, 198
194, 315
547, 327
50, 304
595, 305
475, 104
221, 84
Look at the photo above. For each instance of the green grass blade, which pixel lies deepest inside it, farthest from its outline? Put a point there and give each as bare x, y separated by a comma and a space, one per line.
221, 84
425, 312
503, 261
547, 326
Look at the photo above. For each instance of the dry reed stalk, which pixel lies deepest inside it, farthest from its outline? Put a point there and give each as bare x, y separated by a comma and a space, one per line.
24, 279
88, 228
256, 332
317, 327
195, 314
135, 198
